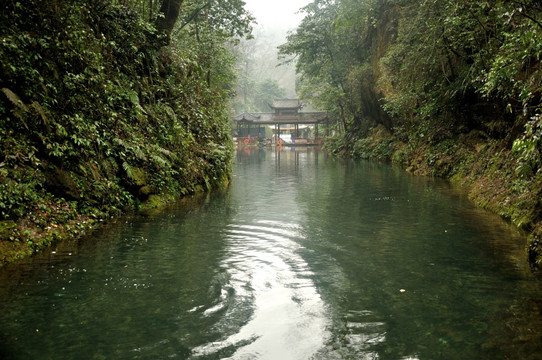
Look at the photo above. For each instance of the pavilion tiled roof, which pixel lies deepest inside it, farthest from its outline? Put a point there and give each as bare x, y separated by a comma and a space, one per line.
286, 104
254, 117
305, 114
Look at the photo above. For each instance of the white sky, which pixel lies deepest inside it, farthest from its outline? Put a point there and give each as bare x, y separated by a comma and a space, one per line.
276, 13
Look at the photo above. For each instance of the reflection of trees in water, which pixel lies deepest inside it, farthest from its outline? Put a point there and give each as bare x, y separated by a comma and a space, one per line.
521, 326
386, 232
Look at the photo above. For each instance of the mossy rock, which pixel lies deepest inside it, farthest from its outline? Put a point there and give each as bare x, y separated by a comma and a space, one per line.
146, 190
223, 182
155, 202
139, 176
9, 231
13, 251
61, 182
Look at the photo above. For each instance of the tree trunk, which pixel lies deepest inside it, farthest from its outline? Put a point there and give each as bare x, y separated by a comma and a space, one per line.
169, 12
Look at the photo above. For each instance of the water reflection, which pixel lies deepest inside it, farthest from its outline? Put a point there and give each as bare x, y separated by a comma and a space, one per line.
287, 315
415, 254
123, 295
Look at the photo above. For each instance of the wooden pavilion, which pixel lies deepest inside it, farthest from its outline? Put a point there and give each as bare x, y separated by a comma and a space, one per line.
287, 115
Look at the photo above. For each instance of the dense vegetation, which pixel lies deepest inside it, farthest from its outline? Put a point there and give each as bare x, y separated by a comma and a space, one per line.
108, 105
447, 88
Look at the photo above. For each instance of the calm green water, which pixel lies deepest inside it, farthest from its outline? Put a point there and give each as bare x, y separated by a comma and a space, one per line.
303, 257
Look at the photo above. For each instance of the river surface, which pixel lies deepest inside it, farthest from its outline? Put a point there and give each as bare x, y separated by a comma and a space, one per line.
302, 257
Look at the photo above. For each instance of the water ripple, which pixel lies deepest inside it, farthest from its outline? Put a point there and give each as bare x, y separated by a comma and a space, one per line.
287, 317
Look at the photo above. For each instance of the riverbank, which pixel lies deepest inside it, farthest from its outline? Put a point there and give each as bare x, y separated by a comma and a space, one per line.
101, 117
40, 230
486, 169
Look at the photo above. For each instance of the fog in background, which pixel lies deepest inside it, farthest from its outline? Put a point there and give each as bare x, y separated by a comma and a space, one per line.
260, 78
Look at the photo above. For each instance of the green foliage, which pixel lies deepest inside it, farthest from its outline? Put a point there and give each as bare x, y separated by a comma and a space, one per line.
332, 47
267, 91
95, 118
428, 70
457, 83
452, 59
225, 19
19, 193
315, 47
528, 147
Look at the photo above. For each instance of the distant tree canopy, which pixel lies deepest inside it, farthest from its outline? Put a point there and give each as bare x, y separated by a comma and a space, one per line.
267, 91
261, 79
256, 96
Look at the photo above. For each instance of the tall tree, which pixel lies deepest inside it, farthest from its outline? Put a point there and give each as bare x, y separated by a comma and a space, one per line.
332, 47
167, 17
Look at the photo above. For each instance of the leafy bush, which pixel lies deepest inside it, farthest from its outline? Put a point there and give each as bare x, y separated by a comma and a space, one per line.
528, 147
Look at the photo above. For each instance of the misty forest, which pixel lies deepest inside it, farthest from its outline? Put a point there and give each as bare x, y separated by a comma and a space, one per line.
121, 158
